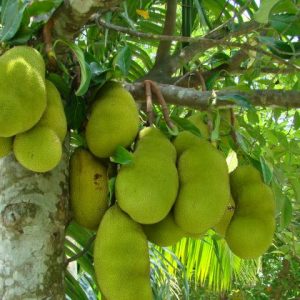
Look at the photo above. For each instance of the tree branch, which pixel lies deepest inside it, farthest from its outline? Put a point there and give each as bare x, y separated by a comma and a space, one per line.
203, 100
169, 27
71, 16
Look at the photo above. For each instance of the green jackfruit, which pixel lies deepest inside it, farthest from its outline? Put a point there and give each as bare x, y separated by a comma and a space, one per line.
5, 146
121, 258
252, 226
88, 189
38, 149
54, 116
185, 140
114, 121
244, 174
204, 188
164, 233
22, 90
146, 188
197, 120
222, 226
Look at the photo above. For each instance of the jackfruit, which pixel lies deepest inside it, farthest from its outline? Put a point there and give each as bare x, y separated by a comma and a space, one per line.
222, 226
204, 188
252, 226
22, 90
54, 116
164, 233
185, 140
88, 189
197, 120
146, 188
242, 175
5, 146
38, 149
121, 258
114, 121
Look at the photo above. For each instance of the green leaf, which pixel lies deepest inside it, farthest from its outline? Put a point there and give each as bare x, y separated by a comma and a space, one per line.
296, 120
185, 124
85, 72
76, 112
215, 133
286, 213
111, 189
122, 156
266, 170
237, 99
122, 60
296, 187
288, 24
262, 15
42, 7
11, 18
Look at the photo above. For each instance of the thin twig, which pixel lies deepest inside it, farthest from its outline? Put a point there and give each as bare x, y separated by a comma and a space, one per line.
149, 103
163, 104
202, 81
232, 123
81, 253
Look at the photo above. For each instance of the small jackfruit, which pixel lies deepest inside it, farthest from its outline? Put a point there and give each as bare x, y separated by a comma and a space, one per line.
146, 188
204, 188
54, 116
252, 226
38, 149
164, 233
22, 90
114, 121
88, 189
5, 146
197, 120
244, 174
121, 258
221, 227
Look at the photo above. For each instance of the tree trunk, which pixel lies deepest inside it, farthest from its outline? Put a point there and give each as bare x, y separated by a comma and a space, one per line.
33, 214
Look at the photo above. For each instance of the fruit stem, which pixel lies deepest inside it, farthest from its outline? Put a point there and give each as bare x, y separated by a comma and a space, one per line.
232, 122
149, 103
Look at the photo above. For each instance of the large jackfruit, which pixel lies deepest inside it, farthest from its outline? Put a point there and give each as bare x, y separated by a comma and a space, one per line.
252, 226
5, 146
54, 116
22, 90
146, 188
164, 233
204, 186
114, 121
121, 258
88, 189
38, 149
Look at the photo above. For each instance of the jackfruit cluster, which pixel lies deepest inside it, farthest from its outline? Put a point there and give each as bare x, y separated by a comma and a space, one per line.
251, 229
32, 118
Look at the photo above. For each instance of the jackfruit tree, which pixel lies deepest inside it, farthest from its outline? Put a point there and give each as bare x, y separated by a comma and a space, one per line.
149, 149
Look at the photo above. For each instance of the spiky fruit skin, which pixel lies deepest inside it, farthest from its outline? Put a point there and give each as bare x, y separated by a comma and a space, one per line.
204, 188
164, 233
114, 121
88, 189
197, 120
222, 226
5, 146
146, 188
22, 90
54, 116
184, 141
244, 174
121, 258
38, 149
252, 226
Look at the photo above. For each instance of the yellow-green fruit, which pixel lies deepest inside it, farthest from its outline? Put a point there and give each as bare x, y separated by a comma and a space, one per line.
146, 188
54, 116
164, 233
252, 226
250, 237
114, 121
121, 258
38, 149
185, 140
204, 188
5, 146
88, 189
22, 90
244, 174
197, 120
222, 226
